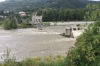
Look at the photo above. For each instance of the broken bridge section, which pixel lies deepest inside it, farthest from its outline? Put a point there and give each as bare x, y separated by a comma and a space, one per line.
37, 22
72, 32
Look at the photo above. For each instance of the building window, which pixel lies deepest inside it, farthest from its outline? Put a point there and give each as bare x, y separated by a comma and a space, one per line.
39, 20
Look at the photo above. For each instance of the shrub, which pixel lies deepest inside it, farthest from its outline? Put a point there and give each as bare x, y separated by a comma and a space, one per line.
1, 22
47, 58
55, 24
46, 23
6, 25
86, 51
78, 25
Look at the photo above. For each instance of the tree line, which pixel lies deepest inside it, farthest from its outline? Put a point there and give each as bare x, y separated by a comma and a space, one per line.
13, 21
50, 14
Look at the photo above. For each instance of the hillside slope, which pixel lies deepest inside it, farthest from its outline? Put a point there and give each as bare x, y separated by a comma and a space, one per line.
20, 4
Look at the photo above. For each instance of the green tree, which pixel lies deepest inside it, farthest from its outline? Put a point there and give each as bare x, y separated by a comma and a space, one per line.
93, 12
87, 47
13, 24
10, 23
61, 14
39, 12
6, 25
19, 19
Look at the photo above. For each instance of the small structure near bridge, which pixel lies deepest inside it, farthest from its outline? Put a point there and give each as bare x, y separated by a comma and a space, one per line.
72, 32
37, 22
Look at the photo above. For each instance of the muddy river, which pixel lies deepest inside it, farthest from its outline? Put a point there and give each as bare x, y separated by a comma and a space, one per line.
30, 42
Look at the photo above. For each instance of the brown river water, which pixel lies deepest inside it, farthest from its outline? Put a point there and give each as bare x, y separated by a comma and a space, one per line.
31, 42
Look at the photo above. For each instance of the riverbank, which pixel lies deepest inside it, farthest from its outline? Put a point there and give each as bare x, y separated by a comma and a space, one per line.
71, 22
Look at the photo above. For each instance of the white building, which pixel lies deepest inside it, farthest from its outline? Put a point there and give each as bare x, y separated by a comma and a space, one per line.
22, 13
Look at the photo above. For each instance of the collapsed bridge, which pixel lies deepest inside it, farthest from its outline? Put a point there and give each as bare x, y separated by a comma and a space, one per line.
72, 32
37, 22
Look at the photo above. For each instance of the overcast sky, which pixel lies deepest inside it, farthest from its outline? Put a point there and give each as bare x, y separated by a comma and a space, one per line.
94, 0
90, 0
2, 0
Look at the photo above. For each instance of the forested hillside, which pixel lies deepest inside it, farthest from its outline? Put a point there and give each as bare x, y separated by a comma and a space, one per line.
50, 14
31, 4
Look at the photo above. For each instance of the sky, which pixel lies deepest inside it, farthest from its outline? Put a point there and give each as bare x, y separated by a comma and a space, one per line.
94, 0
2, 0
90, 0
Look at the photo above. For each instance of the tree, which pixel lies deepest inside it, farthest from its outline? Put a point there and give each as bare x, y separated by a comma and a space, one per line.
10, 23
61, 14
19, 19
93, 12
6, 25
13, 24
87, 47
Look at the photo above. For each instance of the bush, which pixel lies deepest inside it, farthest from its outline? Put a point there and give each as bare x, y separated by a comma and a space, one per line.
87, 48
46, 23
78, 25
55, 24
1, 22
6, 25
13, 24
24, 24
10, 23
58, 61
